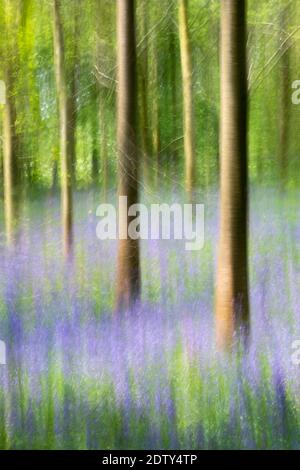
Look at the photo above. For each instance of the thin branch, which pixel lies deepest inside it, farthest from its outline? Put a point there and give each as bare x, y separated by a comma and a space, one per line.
102, 74
274, 57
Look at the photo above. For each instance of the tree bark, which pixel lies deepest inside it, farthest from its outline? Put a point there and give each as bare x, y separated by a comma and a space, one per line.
72, 106
66, 133
72, 120
174, 90
10, 162
187, 90
103, 144
128, 264
284, 105
143, 93
156, 145
11, 138
232, 304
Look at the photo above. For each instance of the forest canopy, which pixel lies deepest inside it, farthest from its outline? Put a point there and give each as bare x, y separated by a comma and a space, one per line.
89, 29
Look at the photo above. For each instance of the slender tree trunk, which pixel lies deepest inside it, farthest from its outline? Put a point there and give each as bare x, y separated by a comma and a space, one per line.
128, 268
232, 305
95, 159
72, 107
96, 138
95, 163
72, 120
10, 163
144, 88
11, 139
66, 133
187, 90
54, 176
284, 105
174, 91
156, 144
103, 145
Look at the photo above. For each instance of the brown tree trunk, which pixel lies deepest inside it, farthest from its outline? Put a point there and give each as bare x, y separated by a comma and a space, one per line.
128, 268
232, 304
187, 90
10, 162
284, 104
66, 133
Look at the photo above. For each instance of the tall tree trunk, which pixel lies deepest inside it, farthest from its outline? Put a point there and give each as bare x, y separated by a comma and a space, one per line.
72, 120
156, 145
232, 304
143, 93
128, 269
54, 185
103, 144
72, 107
10, 162
66, 133
187, 90
174, 91
284, 104
95, 159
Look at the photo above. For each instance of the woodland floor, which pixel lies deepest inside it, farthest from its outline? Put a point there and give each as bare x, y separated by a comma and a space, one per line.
79, 377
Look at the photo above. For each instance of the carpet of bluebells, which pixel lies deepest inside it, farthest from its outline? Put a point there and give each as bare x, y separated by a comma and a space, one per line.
79, 376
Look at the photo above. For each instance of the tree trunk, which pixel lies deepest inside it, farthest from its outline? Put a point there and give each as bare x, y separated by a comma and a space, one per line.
103, 144
72, 106
10, 163
143, 88
284, 104
128, 268
187, 90
72, 120
156, 146
54, 185
174, 93
232, 304
66, 133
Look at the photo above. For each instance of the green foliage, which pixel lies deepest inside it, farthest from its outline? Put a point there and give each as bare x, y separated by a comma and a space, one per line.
90, 39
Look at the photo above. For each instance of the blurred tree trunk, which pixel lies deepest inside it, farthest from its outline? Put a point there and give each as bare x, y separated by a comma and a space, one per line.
284, 102
232, 304
72, 120
72, 106
187, 90
11, 137
128, 264
174, 90
103, 144
156, 144
66, 132
54, 185
95, 159
143, 93
11, 175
